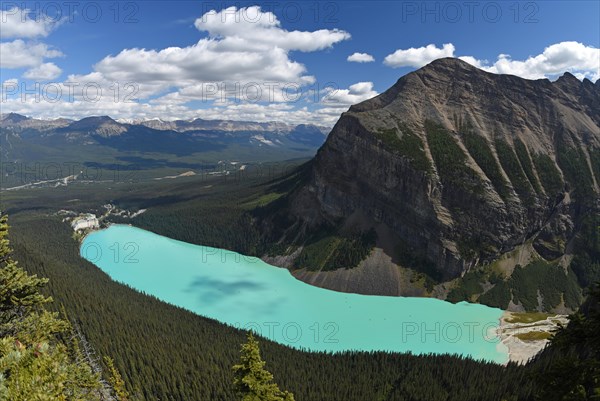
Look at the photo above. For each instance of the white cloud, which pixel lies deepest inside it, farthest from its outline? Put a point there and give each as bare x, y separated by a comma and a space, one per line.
250, 28
238, 62
360, 58
244, 47
242, 56
418, 57
206, 61
575, 57
473, 61
18, 53
21, 23
355, 93
260, 113
173, 106
43, 72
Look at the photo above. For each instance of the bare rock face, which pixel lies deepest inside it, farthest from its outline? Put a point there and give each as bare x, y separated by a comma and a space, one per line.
103, 126
18, 122
460, 164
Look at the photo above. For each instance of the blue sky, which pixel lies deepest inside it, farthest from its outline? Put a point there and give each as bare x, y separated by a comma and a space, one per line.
176, 59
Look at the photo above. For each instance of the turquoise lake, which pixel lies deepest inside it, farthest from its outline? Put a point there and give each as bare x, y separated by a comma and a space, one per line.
249, 293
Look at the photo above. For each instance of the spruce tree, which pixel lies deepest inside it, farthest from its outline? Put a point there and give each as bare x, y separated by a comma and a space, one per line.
34, 363
252, 381
19, 291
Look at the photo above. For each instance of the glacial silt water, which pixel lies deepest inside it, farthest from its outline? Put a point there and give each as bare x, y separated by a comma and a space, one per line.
249, 293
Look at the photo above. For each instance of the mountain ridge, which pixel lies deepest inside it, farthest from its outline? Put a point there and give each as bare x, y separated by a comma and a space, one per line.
96, 139
19, 121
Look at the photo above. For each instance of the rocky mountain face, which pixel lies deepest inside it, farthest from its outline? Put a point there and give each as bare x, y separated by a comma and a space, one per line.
18, 121
102, 126
454, 167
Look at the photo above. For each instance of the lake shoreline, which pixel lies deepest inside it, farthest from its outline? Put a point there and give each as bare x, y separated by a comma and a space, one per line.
238, 290
521, 351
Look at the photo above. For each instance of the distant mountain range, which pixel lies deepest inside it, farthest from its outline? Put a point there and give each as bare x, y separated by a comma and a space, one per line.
103, 141
106, 126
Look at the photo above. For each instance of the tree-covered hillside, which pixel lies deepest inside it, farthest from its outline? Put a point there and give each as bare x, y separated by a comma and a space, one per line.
41, 355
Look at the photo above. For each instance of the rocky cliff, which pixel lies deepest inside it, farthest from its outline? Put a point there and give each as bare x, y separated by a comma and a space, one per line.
455, 167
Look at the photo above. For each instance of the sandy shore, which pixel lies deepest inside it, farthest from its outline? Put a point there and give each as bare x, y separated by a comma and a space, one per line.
520, 350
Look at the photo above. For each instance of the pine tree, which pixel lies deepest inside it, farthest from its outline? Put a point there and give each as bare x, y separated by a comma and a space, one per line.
252, 381
116, 381
574, 371
34, 363
4, 244
19, 292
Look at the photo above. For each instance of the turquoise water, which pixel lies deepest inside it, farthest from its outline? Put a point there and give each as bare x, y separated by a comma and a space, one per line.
246, 292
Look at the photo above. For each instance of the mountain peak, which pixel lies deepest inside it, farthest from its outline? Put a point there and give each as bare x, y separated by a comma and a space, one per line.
14, 118
449, 65
99, 119
568, 83
440, 72
101, 125
93, 121
449, 62
568, 77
